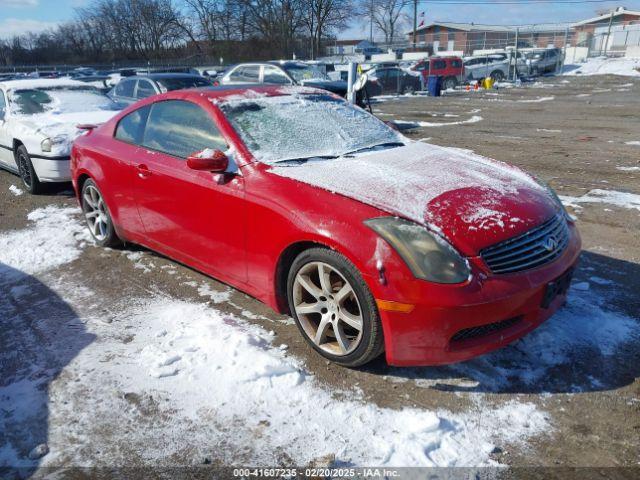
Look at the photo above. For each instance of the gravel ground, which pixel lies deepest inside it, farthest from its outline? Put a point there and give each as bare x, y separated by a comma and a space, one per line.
573, 133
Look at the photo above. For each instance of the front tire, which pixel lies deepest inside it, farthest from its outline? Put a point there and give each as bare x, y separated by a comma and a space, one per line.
333, 308
97, 216
27, 173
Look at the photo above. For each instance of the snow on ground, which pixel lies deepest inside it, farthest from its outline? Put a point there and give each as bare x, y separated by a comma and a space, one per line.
15, 190
610, 197
55, 237
131, 380
605, 66
628, 169
156, 380
633, 142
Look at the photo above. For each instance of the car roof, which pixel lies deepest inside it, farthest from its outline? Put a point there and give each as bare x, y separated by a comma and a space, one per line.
31, 83
248, 91
160, 76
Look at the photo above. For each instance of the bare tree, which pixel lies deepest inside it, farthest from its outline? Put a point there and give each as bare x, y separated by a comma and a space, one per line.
322, 17
387, 16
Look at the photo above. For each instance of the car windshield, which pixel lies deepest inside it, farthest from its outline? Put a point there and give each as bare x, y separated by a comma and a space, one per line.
300, 127
300, 73
180, 83
59, 100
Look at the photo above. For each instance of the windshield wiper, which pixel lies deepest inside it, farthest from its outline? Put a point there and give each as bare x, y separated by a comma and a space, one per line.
378, 145
301, 160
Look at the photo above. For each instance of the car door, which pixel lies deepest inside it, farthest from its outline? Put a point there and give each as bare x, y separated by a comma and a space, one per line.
6, 140
194, 216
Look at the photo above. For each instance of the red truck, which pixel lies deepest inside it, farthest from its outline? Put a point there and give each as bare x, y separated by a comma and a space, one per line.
450, 68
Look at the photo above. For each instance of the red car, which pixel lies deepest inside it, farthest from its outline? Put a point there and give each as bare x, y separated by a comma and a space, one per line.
451, 69
370, 241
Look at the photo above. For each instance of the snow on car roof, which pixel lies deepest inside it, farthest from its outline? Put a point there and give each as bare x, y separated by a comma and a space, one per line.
41, 83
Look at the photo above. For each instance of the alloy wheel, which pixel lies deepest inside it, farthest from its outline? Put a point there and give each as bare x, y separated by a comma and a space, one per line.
95, 213
24, 170
328, 309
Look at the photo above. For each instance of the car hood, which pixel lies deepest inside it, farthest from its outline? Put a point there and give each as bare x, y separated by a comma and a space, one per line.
334, 86
60, 126
471, 200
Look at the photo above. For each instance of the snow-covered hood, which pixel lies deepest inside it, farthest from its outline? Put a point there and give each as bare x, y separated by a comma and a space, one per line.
472, 200
60, 127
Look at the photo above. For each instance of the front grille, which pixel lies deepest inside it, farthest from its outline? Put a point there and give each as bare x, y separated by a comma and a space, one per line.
532, 249
484, 330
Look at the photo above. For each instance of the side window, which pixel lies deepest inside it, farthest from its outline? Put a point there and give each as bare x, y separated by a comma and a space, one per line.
125, 88
458, 63
181, 128
439, 65
393, 73
3, 105
144, 89
236, 75
275, 75
131, 128
251, 74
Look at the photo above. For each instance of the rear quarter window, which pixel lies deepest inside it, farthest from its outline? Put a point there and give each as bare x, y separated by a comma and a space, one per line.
130, 129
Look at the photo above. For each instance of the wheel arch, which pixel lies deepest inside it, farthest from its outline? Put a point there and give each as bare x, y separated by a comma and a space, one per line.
285, 260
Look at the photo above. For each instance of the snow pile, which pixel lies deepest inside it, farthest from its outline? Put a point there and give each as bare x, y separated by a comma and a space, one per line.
610, 197
210, 373
15, 190
408, 178
633, 142
54, 238
473, 119
605, 66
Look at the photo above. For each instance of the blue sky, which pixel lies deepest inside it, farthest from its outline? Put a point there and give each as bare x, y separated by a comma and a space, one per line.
18, 16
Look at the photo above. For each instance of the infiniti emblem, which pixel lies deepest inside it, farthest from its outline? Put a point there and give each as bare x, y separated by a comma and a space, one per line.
550, 243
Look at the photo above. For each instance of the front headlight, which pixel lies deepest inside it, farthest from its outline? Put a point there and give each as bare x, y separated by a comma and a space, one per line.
46, 145
427, 255
552, 193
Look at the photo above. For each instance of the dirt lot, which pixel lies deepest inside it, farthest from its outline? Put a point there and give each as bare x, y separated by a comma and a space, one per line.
571, 132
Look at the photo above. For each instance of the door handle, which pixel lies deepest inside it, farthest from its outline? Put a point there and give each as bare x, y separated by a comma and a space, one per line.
143, 171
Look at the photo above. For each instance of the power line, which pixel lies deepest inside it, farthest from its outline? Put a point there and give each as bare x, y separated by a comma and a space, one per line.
510, 2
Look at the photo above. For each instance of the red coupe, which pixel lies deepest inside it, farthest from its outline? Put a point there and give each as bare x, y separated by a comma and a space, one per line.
372, 242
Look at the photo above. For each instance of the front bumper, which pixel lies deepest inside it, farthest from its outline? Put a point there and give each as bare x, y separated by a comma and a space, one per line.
52, 169
453, 323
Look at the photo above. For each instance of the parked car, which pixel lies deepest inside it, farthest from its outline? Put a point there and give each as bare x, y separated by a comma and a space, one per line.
286, 73
451, 69
393, 80
130, 90
372, 242
544, 61
495, 65
38, 123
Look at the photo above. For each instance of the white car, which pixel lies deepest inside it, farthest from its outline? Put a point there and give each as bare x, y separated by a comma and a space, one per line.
38, 124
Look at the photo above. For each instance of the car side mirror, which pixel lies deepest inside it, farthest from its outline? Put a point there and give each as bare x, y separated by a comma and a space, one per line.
208, 160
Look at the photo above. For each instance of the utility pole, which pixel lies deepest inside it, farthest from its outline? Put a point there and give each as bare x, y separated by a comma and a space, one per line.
515, 63
371, 21
415, 22
608, 33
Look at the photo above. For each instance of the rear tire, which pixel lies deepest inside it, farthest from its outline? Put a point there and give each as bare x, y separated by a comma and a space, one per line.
97, 216
26, 171
497, 76
450, 83
337, 316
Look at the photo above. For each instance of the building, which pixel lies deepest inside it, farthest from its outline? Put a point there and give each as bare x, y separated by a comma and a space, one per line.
593, 33
469, 37
610, 31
